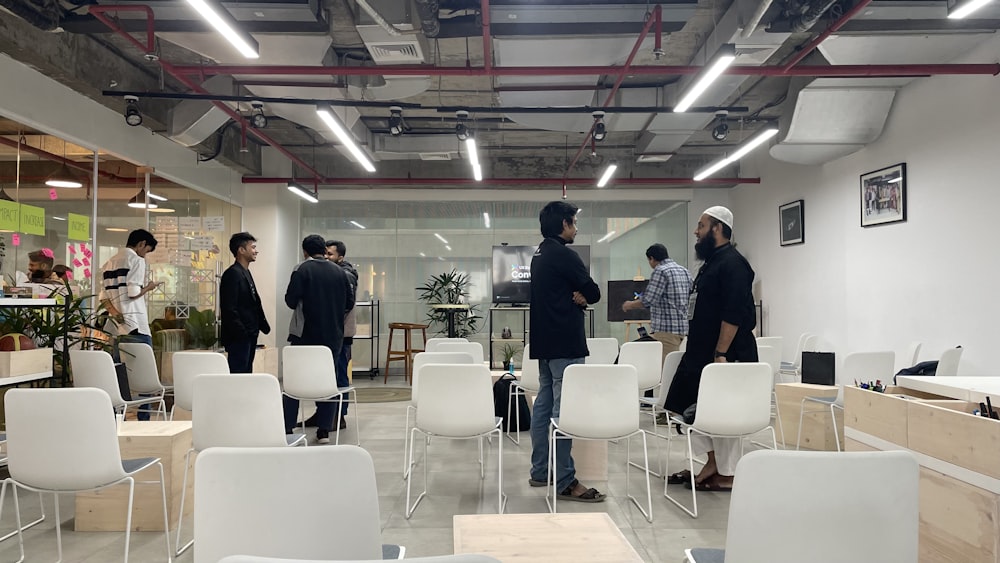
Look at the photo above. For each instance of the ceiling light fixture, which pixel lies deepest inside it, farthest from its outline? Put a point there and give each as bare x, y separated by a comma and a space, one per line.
257, 118
301, 192
4, 195
422, 255
721, 131
486, 219
396, 121
227, 26
116, 230
330, 118
448, 247
961, 10
606, 176
358, 225
606, 237
133, 116
141, 201
715, 67
440, 238
461, 131
63, 177
162, 210
473, 154
58, 218
754, 142
600, 130
157, 197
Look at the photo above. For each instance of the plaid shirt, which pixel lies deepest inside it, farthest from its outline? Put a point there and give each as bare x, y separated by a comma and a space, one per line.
666, 297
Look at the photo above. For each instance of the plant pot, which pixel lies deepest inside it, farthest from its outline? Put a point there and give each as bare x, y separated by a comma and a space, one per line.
506, 366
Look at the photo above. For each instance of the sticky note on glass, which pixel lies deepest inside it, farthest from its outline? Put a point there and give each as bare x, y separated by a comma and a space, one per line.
86, 261
72, 248
53, 194
15, 239
87, 252
86, 273
77, 263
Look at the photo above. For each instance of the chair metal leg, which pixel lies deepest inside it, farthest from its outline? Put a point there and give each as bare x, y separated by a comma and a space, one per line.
17, 513
666, 471
501, 497
512, 403
551, 484
340, 409
128, 517
482, 464
777, 415
166, 517
409, 476
833, 420
41, 505
55, 497
406, 441
647, 512
659, 459
357, 421
178, 550
798, 441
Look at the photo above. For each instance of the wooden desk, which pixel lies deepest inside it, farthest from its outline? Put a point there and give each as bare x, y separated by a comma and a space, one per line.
543, 538
817, 432
104, 510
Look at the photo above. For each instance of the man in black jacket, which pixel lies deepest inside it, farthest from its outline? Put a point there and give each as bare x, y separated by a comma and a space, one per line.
561, 289
239, 304
321, 295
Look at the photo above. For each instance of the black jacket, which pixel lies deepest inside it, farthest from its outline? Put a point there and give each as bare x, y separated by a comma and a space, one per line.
557, 323
241, 312
325, 293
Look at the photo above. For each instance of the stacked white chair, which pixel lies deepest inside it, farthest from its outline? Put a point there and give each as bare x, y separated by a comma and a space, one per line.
310, 374
602, 350
95, 368
140, 366
432, 343
474, 349
793, 369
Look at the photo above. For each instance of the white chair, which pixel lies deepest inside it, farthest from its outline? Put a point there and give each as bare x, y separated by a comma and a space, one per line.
234, 411
866, 366
309, 503
461, 558
474, 349
455, 402
95, 368
3, 461
528, 383
420, 360
734, 401
66, 441
772, 357
670, 364
948, 364
598, 403
910, 356
310, 374
870, 501
187, 365
432, 343
647, 359
776, 342
794, 368
140, 366
602, 350
683, 346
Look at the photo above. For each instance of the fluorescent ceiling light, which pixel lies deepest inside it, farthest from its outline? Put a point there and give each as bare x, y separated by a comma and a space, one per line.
358, 225
440, 238
58, 218
473, 154
606, 237
156, 197
477, 173
448, 247
745, 148
162, 210
227, 26
346, 138
960, 11
423, 255
486, 219
608, 173
116, 230
301, 192
715, 67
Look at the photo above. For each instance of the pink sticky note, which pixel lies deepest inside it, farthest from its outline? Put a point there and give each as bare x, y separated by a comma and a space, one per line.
86, 261
86, 273
72, 248
77, 263
53, 194
15, 239
87, 252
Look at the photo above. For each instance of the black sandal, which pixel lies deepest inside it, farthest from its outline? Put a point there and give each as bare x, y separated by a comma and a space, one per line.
590, 495
679, 478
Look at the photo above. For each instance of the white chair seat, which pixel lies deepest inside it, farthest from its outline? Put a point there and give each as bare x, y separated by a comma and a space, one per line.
706, 555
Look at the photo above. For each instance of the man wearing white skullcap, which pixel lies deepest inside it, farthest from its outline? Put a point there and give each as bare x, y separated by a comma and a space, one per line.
721, 319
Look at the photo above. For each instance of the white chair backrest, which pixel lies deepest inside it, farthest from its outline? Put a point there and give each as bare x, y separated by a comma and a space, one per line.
810, 344
770, 356
460, 558
865, 366
140, 364
455, 400
797, 359
283, 502
948, 364
734, 399
474, 349
308, 371
776, 342
670, 364
235, 411
63, 439
602, 350
911, 355
861, 492
421, 359
187, 365
598, 401
647, 359
95, 368
529, 371
683, 346
433, 343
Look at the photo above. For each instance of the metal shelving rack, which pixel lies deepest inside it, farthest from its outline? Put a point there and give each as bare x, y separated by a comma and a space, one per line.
522, 337
374, 326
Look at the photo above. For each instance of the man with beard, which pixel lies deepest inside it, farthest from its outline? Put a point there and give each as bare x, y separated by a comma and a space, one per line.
721, 320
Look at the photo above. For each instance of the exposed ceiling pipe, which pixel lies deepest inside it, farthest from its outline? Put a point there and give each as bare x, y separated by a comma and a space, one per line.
63, 160
459, 182
819, 71
428, 11
385, 25
754, 21
487, 40
814, 10
811, 46
653, 18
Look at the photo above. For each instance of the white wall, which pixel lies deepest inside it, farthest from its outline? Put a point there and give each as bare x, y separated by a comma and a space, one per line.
932, 278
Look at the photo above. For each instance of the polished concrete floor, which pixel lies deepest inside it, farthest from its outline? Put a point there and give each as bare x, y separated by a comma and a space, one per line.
454, 488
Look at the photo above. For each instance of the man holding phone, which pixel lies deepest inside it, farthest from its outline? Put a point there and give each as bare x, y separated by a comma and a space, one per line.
666, 297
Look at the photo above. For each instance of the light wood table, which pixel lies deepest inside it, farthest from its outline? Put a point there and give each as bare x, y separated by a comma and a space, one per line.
817, 430
104, 510
543, 538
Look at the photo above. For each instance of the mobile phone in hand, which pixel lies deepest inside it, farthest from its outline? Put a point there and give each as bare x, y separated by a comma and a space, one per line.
643, 333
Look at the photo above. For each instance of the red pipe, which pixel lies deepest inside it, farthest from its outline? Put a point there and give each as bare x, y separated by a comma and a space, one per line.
487, 40
811, 46
150, 47
658, 30
821, 71
618, 82
434, 182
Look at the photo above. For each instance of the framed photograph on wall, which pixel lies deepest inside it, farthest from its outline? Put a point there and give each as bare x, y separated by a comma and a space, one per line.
883, 196
790, 221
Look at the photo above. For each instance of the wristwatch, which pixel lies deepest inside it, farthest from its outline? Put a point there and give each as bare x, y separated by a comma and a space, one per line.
719, 354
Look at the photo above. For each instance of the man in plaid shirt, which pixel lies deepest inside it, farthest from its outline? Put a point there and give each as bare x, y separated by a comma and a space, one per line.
666, 297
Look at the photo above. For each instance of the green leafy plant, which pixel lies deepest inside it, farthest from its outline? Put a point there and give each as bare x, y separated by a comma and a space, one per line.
200, 327
451, 288
508, 353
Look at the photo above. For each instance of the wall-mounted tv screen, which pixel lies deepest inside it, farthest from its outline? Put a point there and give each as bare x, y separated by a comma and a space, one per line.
512, 271
620, 292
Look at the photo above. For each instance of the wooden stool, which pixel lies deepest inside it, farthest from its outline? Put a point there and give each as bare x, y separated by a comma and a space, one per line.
407, 353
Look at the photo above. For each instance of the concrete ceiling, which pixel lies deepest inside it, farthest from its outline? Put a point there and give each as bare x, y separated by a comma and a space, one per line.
60, 39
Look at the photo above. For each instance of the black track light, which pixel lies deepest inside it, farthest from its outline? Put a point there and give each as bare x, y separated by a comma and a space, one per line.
461, 131
132, 115
396, 126
721, 131
600, 130
257, 118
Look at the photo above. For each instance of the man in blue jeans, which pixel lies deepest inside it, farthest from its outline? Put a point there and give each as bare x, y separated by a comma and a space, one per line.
561, 289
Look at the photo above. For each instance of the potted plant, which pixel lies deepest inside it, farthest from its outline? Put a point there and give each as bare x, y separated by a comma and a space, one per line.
450, 288
200, 327
508, 353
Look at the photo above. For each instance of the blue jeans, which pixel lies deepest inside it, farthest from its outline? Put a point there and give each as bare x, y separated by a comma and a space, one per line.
144, 410
343, 360
550, 377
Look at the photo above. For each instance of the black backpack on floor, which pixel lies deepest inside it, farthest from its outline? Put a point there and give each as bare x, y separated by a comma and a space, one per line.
503, 409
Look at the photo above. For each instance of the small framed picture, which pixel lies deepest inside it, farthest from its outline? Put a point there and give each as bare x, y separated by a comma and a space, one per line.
883, 196
790, 221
